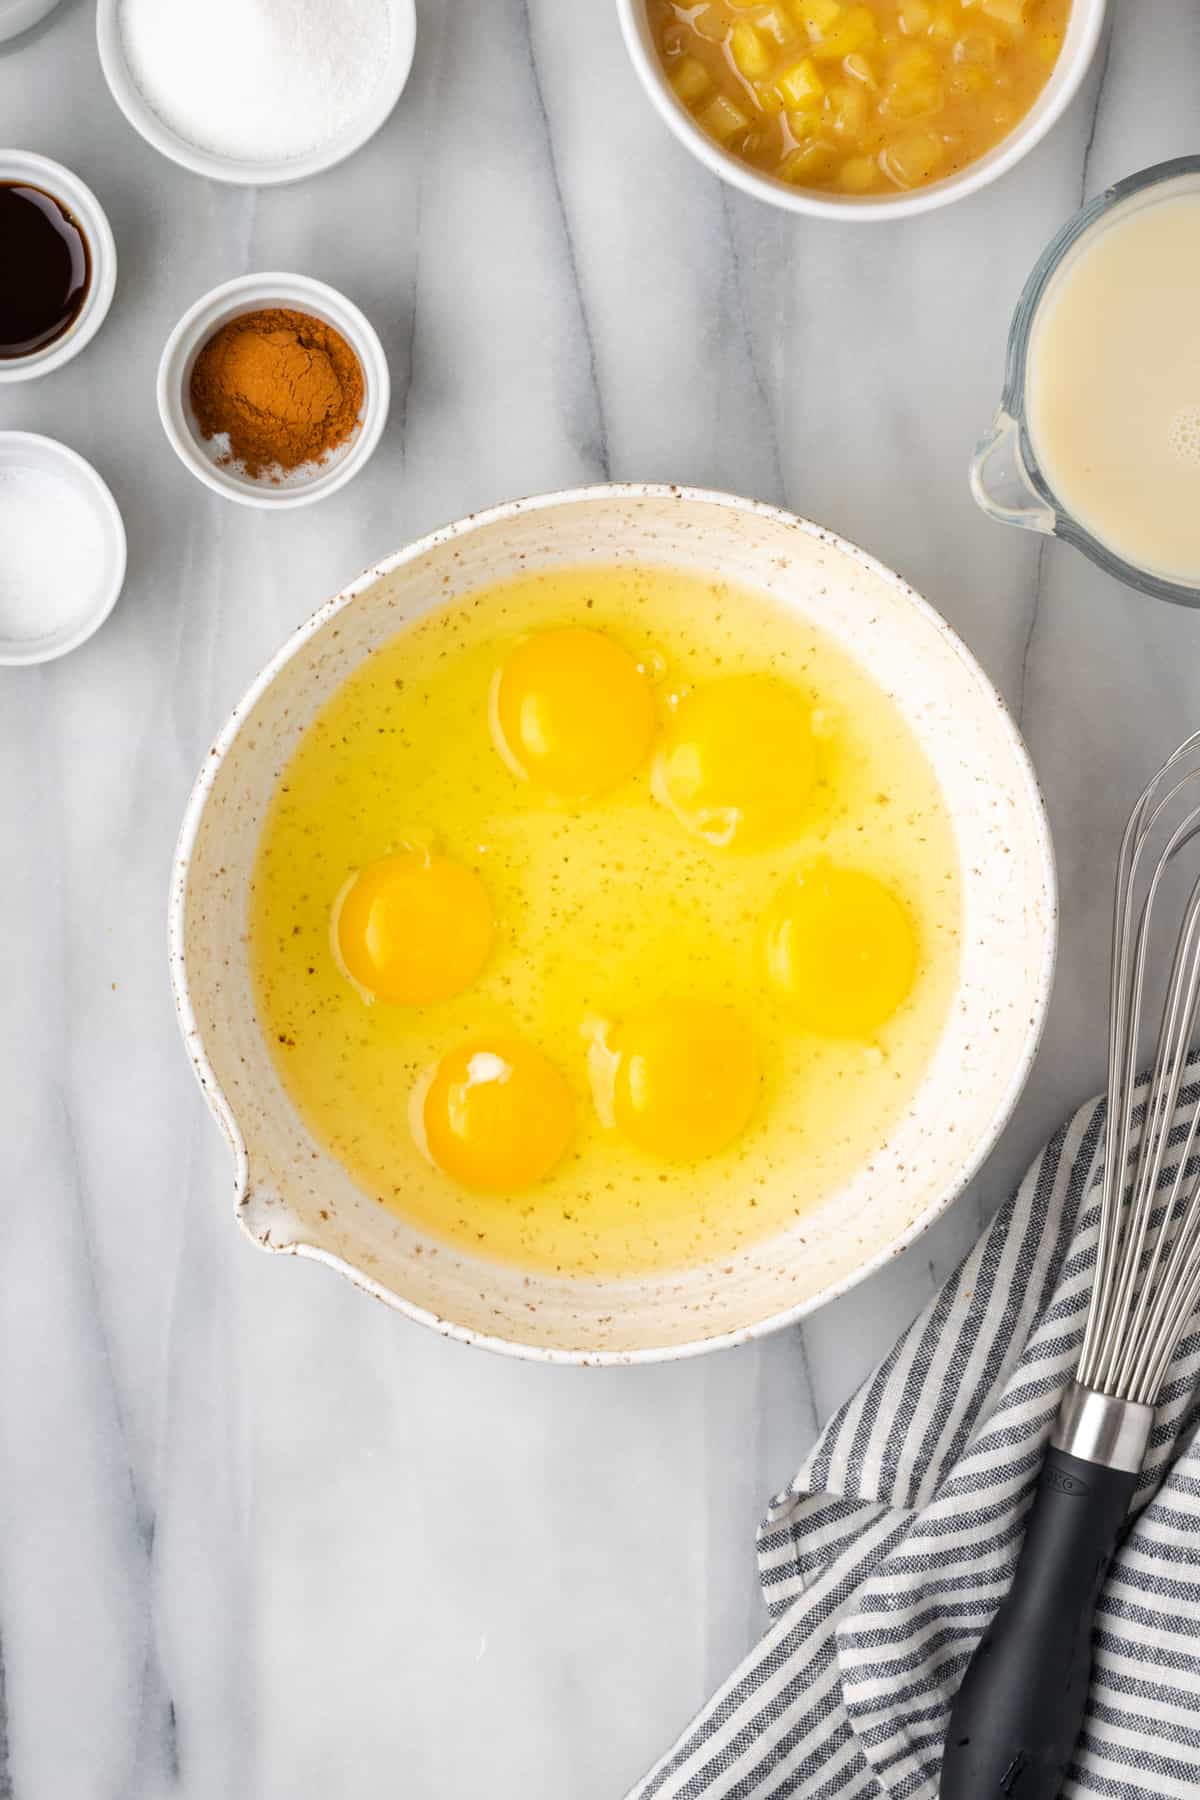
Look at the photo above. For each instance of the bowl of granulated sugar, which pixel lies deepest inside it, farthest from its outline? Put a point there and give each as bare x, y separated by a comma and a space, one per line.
256, 92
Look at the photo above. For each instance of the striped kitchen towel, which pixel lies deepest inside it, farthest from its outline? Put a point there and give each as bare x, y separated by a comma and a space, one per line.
884, 1560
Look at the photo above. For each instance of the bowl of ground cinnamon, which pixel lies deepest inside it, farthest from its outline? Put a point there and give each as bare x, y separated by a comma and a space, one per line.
273, 390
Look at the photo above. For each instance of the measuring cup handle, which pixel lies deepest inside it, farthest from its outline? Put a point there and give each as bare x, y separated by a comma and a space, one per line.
1000, 481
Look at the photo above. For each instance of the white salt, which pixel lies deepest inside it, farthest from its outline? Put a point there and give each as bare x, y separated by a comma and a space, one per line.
263, 80
52, 554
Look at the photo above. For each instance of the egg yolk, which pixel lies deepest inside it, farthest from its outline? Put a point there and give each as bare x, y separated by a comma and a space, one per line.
841, 949
497, 1115
687, 1078
413, 927
738, 761
572, 712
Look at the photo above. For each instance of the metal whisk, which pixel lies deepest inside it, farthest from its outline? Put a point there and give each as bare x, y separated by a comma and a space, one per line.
1019, 1709
1148, 1259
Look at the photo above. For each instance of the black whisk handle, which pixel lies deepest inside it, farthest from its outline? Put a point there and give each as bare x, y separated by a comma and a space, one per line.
1017, 1715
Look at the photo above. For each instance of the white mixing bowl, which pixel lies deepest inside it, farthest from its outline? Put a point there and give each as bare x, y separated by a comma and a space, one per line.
1084, 26
293, 1196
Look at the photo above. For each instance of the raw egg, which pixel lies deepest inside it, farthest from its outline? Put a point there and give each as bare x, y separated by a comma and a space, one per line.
413, 927
497, 1115
738, 761
686, 1078
840, 950
572, 712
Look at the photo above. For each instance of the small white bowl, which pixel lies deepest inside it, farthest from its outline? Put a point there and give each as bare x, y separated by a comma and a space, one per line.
26, 450
255, 293
18, 15
240, 171
1083, 34
82, 204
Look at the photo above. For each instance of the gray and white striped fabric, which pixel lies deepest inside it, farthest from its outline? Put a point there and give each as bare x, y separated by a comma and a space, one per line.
884, 1560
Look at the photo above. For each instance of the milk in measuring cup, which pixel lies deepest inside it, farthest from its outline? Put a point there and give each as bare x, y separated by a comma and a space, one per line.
1113, 385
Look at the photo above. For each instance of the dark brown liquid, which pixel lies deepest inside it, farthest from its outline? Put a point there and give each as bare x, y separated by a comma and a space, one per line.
45, 269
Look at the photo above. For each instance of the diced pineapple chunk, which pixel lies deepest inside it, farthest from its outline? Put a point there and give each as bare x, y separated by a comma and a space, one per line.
848, 109
817, 16
804, 125
860, 68
1009, 13
853, 31
748, 50
711, 23
808, 164
800, 86
858, 174
916, 16
968, 81
914, 62
690, 79
723, 118
912, 158
914, 88
943, 26
861, 27
979, 47
779, 25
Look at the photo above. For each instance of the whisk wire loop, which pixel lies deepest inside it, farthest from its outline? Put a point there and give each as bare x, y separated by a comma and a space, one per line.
1175, 1241
1148, 1234
1147, 1278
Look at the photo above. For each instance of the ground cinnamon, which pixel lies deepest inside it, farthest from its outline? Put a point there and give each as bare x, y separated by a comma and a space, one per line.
286, 388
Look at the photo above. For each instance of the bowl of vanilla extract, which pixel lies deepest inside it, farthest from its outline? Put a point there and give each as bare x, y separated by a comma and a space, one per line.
58, 270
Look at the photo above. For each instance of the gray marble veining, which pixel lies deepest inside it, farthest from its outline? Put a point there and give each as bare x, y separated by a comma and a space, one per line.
260, 1538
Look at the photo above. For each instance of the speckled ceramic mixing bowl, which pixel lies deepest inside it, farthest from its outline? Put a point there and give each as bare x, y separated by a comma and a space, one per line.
292, 1196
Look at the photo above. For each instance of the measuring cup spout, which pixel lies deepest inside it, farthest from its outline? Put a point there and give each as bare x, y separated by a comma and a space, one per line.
1001, 483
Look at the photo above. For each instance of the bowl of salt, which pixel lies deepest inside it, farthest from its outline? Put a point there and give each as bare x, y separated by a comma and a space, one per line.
62, 549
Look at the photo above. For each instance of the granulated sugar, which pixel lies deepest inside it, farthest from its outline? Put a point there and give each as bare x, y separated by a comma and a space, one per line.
263, 80
52, 554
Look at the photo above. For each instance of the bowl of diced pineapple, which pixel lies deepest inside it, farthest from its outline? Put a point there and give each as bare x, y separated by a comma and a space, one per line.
861, 108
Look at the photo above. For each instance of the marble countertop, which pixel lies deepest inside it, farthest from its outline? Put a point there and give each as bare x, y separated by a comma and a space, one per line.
259, 1537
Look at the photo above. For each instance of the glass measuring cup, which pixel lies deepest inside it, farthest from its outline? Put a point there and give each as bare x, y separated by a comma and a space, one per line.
1006, 479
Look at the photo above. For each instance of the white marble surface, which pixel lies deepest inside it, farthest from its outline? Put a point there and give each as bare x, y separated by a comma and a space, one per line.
258, 1537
